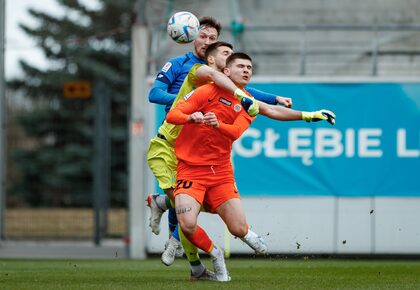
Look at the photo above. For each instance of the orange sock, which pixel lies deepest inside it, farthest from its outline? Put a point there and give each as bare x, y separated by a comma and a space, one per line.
200, 239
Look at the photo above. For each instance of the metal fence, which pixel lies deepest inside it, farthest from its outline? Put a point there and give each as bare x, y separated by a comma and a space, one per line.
22, 220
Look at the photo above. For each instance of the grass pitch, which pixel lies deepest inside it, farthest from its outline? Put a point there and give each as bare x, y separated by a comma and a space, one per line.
246, 274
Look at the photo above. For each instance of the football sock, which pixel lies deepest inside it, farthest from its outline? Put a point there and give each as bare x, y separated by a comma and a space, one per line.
169, 202
191, 252
172, 220
200, 239
175, 233
214, 251
249, 234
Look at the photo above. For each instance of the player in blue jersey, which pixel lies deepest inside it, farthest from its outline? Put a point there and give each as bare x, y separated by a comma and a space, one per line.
170, 78
169, 81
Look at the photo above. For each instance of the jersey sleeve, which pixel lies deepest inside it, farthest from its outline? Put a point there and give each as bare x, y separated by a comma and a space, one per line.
165, 78
192, 102
159, 94
168, 72
262, 96
235, 130
188, 85
192, 74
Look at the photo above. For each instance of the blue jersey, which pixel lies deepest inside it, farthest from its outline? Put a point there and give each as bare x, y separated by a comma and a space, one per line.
172, 76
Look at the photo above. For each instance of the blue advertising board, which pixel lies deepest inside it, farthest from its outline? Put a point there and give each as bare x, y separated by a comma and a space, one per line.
373, 150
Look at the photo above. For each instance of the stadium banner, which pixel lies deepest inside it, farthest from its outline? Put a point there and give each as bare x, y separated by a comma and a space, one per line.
373, 150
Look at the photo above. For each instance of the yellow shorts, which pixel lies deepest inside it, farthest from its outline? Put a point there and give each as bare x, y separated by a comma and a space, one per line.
162, 161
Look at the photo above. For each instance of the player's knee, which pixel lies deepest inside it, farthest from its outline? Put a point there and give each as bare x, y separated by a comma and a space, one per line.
238, 229
187, 226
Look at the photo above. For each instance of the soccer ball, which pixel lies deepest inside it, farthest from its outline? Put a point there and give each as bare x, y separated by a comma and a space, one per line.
183, 27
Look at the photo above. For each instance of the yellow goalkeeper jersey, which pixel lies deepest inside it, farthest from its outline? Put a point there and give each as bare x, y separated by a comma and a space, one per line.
171, 131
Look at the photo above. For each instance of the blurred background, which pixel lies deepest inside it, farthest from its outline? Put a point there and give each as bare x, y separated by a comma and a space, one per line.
68, 119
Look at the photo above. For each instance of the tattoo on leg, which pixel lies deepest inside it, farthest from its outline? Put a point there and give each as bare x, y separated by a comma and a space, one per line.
182, 210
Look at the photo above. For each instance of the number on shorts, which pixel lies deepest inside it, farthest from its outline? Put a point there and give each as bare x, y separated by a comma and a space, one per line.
183, 184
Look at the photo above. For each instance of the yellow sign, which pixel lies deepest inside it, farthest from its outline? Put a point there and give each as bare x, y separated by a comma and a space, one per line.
77, 89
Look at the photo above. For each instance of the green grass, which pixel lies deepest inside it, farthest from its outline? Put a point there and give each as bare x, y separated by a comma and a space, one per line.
246, 274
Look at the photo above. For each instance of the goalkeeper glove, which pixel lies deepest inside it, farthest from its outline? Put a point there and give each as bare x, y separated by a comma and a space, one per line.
318, 116
249, 103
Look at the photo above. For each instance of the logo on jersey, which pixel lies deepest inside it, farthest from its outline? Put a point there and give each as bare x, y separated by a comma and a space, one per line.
159, 76
224, 101
187, 96
166, 67
237, 108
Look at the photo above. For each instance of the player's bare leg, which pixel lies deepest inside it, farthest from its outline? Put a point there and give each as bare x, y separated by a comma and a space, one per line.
171, 247
187, 209
233, 215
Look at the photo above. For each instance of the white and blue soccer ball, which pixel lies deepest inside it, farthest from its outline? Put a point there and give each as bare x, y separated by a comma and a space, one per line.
183, 27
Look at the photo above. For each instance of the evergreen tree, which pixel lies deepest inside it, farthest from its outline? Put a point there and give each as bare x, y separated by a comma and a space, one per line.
83, 44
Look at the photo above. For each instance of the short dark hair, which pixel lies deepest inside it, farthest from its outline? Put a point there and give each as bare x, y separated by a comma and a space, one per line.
237, 55
208, 21
214, 46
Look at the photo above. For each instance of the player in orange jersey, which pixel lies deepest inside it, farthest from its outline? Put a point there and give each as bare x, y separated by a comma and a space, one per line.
213, 118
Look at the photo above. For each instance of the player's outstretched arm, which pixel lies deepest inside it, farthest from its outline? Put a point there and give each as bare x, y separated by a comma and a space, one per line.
287, 102
286, 114
279, 113
253, 107
269, 98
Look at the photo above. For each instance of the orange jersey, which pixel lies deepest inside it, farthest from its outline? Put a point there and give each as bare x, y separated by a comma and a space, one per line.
200, 144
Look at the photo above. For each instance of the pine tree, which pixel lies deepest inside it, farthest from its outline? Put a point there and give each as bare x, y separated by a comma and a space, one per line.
88, 45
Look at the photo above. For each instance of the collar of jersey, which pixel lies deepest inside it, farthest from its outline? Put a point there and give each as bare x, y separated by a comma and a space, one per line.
192, 55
